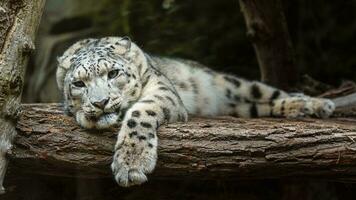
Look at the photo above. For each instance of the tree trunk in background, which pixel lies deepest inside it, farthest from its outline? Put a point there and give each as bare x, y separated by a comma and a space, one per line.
267, 29
19, 20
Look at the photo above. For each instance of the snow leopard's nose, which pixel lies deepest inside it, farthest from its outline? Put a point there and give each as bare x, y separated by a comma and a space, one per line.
101, 104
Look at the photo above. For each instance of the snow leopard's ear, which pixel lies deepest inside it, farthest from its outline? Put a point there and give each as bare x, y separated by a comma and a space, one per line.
65, 61
61, 72
62, 68
122, 45
126, 42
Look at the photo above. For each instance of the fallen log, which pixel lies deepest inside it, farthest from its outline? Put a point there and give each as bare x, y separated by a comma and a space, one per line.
50, 143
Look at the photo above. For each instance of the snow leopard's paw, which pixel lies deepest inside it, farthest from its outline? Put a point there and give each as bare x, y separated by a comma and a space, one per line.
135, 153
296, 107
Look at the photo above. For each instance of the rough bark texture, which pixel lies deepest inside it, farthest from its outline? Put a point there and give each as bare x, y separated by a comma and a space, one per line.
268, 31
19, 20
51, 143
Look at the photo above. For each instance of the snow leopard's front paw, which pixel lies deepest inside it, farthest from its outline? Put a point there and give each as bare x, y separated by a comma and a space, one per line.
135, 153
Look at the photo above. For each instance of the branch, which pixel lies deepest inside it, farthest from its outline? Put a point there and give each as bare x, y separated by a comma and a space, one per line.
267, 29
227, 148
345, 101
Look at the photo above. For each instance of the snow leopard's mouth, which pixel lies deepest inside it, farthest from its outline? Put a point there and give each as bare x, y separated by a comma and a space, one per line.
92, 114
96, 115
117, 108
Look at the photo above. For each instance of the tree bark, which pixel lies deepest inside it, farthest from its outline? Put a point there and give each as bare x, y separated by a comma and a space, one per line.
51, 143
19, 20
267, 29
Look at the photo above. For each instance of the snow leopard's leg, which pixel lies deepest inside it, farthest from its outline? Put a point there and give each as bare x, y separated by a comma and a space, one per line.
255, 99
136, 147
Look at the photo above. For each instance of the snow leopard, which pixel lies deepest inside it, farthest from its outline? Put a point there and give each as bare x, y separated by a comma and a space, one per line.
110, 81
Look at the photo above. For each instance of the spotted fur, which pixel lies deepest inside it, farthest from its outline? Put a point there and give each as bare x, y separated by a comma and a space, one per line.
108, 80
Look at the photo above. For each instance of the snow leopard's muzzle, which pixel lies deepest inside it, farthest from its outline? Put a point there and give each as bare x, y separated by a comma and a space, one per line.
100, 100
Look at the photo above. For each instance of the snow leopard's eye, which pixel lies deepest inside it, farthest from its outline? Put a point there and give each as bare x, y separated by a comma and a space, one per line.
113, 73
79, 84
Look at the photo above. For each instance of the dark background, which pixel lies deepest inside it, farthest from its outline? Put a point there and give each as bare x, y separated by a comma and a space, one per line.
213, 33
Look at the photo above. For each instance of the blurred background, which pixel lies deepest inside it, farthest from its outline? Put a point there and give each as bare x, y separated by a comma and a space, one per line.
213, 33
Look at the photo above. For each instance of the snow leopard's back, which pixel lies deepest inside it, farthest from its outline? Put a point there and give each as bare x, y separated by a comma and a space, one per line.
196, 84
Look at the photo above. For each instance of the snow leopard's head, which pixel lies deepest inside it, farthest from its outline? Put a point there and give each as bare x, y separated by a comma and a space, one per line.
100, 76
